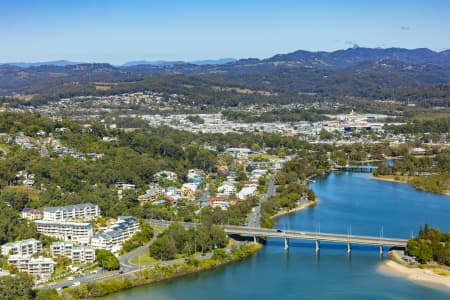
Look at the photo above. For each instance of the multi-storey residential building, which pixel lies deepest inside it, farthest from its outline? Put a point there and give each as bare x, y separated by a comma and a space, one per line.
23, 247
41, 267
82, 255
84, 211
113, 237
68, 231
58, 249
79, 255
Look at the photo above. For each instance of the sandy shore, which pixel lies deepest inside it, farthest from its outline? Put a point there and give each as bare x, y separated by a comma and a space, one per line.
300, 207
387, 179
416, 274
390, 179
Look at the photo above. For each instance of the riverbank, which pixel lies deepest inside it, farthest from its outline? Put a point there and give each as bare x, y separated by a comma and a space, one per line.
422, 274
295, 209
408, 180
157, 273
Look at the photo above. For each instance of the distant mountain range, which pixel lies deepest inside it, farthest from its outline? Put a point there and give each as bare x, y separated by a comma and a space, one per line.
61, 63
301, 58
355, 55
385, 68
219, 61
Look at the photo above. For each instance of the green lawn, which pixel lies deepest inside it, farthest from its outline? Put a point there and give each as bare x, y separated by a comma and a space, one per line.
144, 259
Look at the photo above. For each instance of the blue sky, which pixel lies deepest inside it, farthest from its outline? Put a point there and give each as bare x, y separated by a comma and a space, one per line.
119, 31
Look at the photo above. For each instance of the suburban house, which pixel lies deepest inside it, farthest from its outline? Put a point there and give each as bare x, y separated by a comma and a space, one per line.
247, 191
239, 153
153, 193
221, 202
168, 175
226, 189
195, 176
189, 190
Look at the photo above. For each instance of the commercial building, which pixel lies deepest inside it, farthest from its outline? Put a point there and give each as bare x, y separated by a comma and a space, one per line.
23, 247
68, 231
84, 211
114, 236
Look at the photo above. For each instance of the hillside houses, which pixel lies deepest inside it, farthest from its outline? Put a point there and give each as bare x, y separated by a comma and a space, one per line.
165, 175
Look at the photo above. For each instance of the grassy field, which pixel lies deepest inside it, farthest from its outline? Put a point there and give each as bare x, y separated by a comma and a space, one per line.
144, 259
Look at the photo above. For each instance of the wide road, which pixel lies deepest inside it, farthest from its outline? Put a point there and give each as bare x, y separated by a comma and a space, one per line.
254, 219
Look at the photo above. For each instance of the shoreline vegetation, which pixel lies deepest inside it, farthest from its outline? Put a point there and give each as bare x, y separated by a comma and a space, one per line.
407, 180
428, 274
295, 209
157, 274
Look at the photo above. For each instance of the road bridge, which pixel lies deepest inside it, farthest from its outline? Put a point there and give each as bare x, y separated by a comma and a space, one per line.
348, 239
355, 168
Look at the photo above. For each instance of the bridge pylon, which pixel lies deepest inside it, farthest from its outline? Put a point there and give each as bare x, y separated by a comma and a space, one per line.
286, 244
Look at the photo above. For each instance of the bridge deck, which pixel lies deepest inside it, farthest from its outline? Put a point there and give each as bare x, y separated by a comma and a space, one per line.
314, 236
300, 235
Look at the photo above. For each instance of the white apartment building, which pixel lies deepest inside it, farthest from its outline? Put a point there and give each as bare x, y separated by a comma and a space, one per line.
80, 233
58, 249
113, 237
84, 211
41, 267
23, 247
79, 255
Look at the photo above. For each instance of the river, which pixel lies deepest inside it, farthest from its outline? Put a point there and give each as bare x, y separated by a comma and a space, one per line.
348, 202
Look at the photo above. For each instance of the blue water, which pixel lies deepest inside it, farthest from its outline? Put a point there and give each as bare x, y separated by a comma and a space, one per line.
347, 202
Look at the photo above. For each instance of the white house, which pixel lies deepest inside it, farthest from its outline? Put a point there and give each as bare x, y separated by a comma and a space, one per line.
247, 191
227, 188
